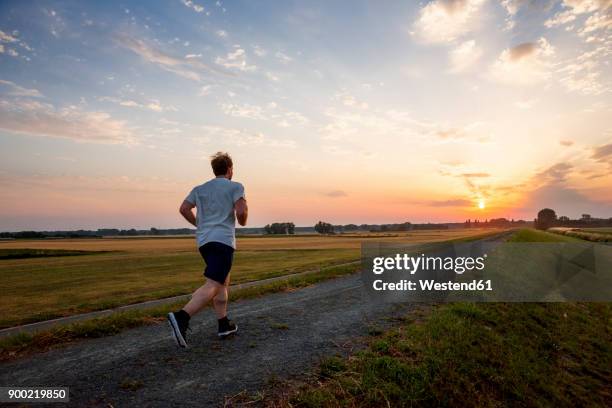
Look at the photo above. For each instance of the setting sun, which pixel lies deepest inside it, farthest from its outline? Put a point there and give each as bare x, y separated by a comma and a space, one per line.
481, 204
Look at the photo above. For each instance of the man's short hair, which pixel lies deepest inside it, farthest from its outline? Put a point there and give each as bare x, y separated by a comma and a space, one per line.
220, 162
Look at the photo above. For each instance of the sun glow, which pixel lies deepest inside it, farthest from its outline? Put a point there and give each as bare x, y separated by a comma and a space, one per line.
481, 204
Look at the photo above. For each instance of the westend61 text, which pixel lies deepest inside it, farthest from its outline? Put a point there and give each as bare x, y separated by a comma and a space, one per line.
408, 285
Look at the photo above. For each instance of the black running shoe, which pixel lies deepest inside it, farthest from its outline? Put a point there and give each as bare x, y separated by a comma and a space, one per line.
179, 325
226, 327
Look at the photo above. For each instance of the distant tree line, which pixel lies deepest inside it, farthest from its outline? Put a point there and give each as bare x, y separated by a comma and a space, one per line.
495, 223
99, 233
547, 218
324, 228
286, 228
404, 226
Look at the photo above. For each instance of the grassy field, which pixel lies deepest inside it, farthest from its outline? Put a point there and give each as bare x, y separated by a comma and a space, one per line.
531, 235
139, 269
473, 355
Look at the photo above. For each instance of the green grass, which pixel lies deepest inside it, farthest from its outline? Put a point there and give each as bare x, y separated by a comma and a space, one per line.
474, 355
18, 345
25, 253
532, 235
42, 288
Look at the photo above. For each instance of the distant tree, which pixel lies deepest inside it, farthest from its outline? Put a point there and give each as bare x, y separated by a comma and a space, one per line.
563, 218
324, 228
546, 219
278, 228
498, 222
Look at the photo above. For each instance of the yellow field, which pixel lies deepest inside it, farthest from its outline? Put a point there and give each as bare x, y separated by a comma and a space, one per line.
146, 244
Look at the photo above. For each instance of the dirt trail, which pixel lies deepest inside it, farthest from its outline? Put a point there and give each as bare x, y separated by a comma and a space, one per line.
280, 335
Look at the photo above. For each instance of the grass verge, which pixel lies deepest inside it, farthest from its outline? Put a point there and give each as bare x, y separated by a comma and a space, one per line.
476, 355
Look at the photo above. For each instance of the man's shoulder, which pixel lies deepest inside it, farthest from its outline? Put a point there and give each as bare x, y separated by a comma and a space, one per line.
217, 183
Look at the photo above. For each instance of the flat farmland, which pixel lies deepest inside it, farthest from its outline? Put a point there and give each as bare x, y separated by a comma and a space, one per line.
144, 268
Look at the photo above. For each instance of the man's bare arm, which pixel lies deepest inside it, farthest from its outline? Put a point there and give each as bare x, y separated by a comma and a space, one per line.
242, 211
186, 211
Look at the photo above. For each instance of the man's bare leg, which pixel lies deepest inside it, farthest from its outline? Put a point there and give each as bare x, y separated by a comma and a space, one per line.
221, 299
202, 296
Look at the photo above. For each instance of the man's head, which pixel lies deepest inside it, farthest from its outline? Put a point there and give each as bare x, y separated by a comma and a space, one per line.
222, 165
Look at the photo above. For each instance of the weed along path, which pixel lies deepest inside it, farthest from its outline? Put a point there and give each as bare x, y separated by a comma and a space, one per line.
280, 335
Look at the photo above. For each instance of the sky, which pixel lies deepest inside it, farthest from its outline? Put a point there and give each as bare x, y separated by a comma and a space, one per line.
346, 112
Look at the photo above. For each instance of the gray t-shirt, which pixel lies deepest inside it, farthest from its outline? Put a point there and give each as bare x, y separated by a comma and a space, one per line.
215, 217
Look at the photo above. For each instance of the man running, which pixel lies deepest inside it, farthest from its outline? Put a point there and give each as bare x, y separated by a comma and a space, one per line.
218, 202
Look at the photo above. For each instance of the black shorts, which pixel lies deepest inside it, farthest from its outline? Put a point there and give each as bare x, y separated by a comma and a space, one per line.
218, 258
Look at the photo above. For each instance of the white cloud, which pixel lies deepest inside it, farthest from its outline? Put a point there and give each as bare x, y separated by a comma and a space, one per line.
240, 137
586, 6
600, 19
43, 119
235, 60
597, 21
464, 56
189, 68
283, 58
346, 125
584, 74
16, 90
443, 21
194, 6
190, 56
243, 111
205, 90
511, 6
524, 64
13, 39
349, 100
221, 33
153, 105
272, 77
260, 52
271, 112
561, 18
7, 38
294, 117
